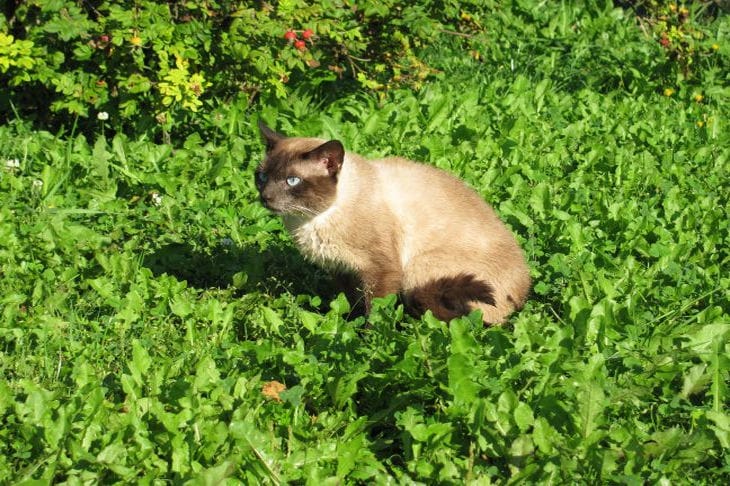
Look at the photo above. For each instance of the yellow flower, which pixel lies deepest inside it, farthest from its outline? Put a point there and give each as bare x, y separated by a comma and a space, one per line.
668, 92
700, 124
715, 47
136, 40
698, 97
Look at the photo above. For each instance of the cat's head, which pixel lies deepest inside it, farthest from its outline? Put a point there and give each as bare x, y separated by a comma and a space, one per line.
298, 175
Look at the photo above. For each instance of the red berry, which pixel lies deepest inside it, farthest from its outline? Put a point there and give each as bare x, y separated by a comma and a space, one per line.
104, 38
307, 33
290, 35
664, 42
300, 45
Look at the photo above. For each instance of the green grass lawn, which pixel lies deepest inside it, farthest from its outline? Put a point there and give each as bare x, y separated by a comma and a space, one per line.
148, 300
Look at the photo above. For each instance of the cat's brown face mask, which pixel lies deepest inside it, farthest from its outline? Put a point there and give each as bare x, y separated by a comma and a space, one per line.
298, 176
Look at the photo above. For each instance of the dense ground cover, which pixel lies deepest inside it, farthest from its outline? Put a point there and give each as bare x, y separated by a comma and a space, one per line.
151, 306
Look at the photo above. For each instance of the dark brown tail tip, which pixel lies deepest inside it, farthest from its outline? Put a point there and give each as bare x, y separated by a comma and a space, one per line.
449, 297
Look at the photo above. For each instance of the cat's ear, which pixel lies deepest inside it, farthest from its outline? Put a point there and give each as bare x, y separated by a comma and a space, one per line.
330, 154
271, 138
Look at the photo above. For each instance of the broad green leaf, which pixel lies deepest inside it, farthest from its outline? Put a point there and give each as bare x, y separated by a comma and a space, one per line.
180, 454
507, 402
272, 319
309, 320
181, 306
6, 397
112, 454
293, 395
721, 427
461, 379
214, 475
340, 305
462, 338
521, 448
140, 363
524, 417
545, 436
207, 375
56, 428
702, 339
591, 403
130, 386
346, 385
349, 451
695, 380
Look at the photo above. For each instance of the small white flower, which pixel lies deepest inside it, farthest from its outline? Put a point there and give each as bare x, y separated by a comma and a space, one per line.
227, 242
156, 198
11, 164
102, 115
37, 183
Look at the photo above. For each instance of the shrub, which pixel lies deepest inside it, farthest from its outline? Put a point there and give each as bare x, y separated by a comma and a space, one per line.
153, 64
680, 29
148, 67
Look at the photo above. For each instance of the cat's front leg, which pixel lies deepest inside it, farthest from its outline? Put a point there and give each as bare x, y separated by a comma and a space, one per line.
379, 283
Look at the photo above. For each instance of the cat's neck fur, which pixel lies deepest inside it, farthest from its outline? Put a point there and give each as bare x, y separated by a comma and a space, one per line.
317, 235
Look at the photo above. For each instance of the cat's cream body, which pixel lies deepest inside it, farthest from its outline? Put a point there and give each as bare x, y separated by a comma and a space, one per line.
400, 226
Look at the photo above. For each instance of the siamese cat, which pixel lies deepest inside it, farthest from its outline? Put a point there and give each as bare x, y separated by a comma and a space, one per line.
398, 226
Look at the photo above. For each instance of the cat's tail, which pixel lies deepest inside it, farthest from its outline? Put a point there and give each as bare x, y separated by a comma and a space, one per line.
449, 297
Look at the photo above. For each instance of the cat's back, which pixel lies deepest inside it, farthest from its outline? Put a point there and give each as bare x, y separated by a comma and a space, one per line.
418, 188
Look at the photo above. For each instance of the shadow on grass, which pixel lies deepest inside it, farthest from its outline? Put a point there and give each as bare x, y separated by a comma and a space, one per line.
274, 270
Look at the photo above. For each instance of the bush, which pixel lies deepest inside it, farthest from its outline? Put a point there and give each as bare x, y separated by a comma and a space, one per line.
155, 63
150, 66
678, 28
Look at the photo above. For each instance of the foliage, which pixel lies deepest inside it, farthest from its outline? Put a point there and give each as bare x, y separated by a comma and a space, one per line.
156, 323
153, 63
150, 66
679, 30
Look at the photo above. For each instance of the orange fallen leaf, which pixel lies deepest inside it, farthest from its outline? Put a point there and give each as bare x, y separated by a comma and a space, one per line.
271, 389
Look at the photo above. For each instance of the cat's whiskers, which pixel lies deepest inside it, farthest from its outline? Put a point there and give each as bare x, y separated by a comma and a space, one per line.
302, 210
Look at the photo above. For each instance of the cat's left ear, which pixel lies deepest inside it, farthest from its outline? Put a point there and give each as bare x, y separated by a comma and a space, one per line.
330, 154
271, 138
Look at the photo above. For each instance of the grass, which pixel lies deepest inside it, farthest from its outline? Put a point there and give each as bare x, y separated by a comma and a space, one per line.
149, 301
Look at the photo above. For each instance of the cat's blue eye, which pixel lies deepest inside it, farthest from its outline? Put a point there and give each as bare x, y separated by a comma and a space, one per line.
293, 181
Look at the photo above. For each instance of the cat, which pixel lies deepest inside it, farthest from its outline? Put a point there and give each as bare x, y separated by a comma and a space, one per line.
400, 227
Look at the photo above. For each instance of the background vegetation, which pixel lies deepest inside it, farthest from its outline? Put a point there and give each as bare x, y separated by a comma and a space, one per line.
157, 325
